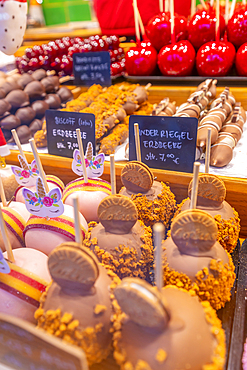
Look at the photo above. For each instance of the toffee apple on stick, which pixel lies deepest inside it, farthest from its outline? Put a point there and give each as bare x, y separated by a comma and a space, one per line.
177, 59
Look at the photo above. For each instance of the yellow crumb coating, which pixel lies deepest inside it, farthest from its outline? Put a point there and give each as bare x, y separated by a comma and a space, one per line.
228, 230
161, 209
64, 326
212, 285
218, 356
125, 260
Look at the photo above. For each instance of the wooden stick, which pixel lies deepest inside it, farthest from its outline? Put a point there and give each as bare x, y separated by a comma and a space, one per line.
137, 142
226, 11
158, 230
140, 23
194, 190
211, 3
78, 236
161, 6
64, 79
13, 72
173, 37
217, 26
232, 8
51, 73
203, 4
137, 31
208, 147
79, 140
193, 8
113, 174
122, 39
5, 237
17, 141
39, 164
244, 2
2, 193
166, 6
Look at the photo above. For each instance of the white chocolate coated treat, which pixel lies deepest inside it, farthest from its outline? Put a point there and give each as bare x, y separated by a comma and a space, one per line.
44, 239
36, 263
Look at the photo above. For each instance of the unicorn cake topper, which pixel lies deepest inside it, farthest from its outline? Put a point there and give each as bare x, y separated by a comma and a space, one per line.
94, 164
27, 174
4, 267
43, 204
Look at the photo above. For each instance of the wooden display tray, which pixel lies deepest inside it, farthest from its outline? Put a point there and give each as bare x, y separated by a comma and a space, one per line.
236, 188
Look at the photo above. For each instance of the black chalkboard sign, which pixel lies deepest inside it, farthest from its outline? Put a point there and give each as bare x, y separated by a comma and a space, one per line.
92, 68
167, 143
61, 131
22, 346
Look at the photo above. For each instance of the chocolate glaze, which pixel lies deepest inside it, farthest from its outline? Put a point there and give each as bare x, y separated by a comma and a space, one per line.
24, 80
50, 83
18, 99
191, 264
24, 134
53, 100
26, 115
9, 122
2, 93
35, 125
152, 194
65, 94
82, 305
39, 107
35, 90
212, 207
109, 241
7, 134
9, 86
4, 106
39, 74
187, 341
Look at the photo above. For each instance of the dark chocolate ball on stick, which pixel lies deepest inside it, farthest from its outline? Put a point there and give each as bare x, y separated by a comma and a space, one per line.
24, 133
26, 115
40, 106
35, 90
18, 99
39, 74
65, 94
50, 83
35, 125
53, 100
5, 106
25, 79
10, 122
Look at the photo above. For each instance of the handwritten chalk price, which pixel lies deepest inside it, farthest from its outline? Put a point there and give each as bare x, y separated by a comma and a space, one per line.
166, 142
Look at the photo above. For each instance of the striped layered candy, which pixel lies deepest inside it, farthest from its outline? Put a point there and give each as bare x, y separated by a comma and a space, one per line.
90, 194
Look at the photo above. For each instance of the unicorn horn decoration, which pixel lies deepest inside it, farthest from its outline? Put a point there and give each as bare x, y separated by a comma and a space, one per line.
89, 151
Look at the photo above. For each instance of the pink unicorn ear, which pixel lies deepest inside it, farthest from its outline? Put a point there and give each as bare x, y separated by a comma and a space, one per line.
100, 158
55, 194
76, 154
27, 194
34, 166
16, 170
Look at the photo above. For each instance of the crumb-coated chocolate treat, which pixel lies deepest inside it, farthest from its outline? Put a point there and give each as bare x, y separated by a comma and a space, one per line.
18, 99
35, 90
50, 83
77, 306
53, 100
35, 125
25, 79
194, 260
5, 106
24, 133
39, 74
120, 241
65, 94
211, 198
10, 122
26, 115
39, 107
165, 330
9, 86
154, 200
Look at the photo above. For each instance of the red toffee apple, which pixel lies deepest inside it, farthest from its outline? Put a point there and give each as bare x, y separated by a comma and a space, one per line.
159, 29
215, 58
241, 60
141, 60
201, 28
177, 59
237, 28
